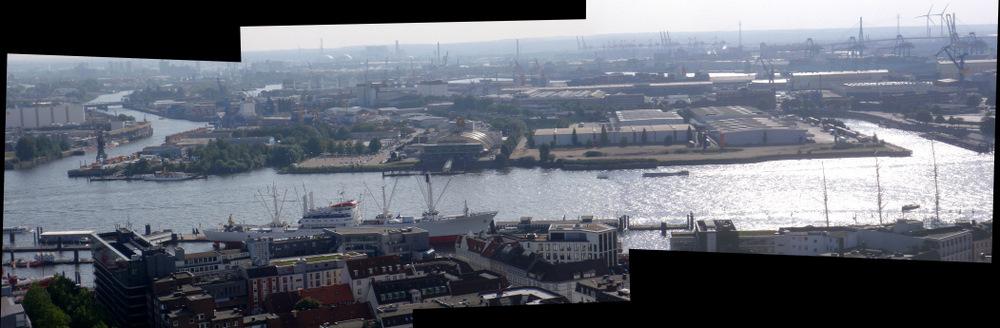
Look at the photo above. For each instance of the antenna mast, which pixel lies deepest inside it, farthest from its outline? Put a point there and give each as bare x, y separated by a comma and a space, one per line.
826, 207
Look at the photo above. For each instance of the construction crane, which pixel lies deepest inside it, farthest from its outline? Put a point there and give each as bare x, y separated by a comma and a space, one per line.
958, 61
768, 68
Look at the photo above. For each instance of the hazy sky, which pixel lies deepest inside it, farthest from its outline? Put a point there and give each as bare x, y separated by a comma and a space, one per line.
624, 16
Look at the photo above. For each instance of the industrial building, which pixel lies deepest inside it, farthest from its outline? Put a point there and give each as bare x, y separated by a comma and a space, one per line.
708, 114
637, 117
590, 133
829, 80
947, 69
436, 88
876, 90
745, 126
754, 131
44, 115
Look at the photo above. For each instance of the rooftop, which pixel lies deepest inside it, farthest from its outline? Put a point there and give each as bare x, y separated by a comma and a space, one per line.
645, 114
747, 124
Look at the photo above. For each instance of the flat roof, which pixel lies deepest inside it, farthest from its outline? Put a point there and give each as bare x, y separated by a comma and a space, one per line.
68, 233
592, 227
871, 71
645, 114
749, 124
725, 110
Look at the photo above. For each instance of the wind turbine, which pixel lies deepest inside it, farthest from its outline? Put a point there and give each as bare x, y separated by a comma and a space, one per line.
941, 18
928, 16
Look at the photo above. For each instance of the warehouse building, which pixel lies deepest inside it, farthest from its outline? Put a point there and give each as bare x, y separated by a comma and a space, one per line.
829, 80
754, 131
877, 90
947, 70
590, 133
44, 114
646, 117
705, 115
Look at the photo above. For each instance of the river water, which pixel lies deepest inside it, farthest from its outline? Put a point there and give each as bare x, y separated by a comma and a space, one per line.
755, 196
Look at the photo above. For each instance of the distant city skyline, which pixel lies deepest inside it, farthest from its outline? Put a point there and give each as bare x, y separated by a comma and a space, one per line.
630, 16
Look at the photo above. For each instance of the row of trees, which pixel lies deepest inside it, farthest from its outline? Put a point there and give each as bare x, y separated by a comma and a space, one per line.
30, 147
63, 304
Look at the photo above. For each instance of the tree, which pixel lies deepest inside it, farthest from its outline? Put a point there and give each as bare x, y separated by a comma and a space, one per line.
623, 142
282, 156
923, 116
939, 119
604, 136
43, 313
531, 140
989, 126
644, 137
306, 304
314, 146
544, 152
359, 148
690, 134
374, 146
763, 138
25, 148
668, 140
574, 139
973, 101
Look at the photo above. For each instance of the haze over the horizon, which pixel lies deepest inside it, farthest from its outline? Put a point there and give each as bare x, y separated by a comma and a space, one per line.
629, 16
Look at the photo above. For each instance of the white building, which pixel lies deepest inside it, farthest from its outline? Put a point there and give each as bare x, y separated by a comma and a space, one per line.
637, 117
248, 109
830, 80
432, 89
577, 242
44, 114
591, 133
814, 243
947, 70
755, 131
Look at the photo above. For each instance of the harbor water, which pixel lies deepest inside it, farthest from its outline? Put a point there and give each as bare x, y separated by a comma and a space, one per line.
764, 195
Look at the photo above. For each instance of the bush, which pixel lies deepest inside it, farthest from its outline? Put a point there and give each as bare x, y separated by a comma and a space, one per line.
593, 153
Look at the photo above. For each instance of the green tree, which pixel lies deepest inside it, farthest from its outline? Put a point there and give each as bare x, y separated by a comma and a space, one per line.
359, 148
43, 313
644, 137
574, 139
763, 138
604, 136
314, 146
306, 304
623, 142
690, 134
989, 126
25, 148
923, 116
544, 152
282, 156
374, 146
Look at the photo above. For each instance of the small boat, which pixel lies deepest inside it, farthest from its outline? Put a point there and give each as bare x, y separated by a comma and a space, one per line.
17, 229
603, 175
663, 174
907, 208
171, 176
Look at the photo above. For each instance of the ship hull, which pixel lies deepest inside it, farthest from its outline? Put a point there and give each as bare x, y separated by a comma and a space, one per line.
452, 226
231, 236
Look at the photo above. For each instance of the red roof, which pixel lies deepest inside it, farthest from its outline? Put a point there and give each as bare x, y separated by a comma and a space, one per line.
327, 295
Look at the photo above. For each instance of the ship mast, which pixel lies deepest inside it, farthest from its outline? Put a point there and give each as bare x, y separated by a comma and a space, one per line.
430, 194
878, 188
826, 207
937, 193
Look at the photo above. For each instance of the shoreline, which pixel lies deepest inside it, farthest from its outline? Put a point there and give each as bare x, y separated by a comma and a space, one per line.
621, 163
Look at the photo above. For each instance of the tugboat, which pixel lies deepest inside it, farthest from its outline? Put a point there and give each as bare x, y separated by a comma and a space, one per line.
664, 174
